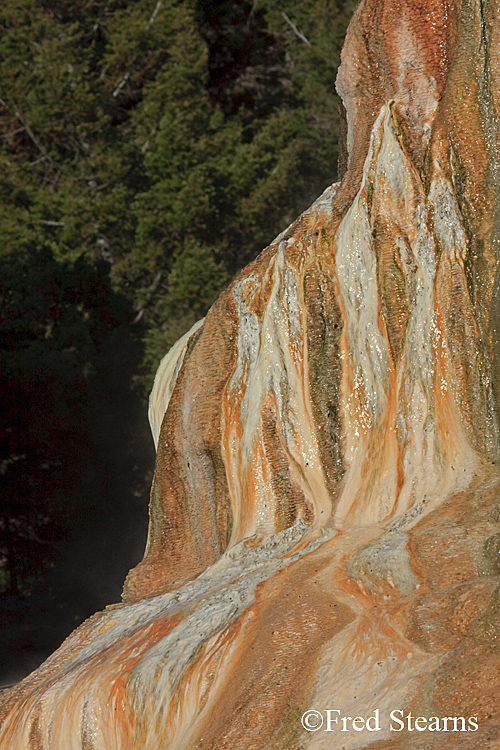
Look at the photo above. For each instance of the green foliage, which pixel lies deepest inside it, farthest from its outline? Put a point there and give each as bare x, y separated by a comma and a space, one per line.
137, 131
148, 151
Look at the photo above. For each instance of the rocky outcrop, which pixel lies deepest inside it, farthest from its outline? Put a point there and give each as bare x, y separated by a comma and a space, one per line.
325, 513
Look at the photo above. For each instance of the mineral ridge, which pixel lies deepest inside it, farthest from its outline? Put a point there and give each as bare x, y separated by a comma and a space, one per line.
325, 513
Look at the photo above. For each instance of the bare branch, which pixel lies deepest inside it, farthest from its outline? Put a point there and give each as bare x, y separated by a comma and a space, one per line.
152, 290
14, 132
121, 84
155, 12
37, 143
32, 135
295, 29
37, 161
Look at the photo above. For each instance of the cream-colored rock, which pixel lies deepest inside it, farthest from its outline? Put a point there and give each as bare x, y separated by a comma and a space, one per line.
325, 513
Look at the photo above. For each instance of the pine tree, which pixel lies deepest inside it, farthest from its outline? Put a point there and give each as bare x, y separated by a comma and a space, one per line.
149, 150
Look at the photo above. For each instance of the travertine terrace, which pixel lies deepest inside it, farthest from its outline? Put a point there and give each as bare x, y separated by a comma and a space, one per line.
325, 514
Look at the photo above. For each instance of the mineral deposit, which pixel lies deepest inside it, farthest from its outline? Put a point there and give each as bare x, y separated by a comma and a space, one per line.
325, 513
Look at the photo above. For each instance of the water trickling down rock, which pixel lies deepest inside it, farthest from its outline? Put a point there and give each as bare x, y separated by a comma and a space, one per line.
325, 510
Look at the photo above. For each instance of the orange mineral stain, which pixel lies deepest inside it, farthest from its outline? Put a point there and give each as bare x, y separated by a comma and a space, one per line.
325, 515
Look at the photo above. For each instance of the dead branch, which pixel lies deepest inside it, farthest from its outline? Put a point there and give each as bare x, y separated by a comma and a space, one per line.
295, 29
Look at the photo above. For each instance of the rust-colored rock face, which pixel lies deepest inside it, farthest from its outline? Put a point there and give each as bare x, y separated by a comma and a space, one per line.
325, 515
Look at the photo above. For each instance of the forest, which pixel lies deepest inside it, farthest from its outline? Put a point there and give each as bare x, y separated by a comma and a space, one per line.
149, 150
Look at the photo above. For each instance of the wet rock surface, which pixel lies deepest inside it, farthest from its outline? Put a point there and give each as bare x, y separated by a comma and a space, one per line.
325, 515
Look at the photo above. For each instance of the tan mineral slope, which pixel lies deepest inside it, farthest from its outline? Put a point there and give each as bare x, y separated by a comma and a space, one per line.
325, 514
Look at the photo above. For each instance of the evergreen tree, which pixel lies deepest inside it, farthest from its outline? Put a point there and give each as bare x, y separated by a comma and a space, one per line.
149, 149
171, 139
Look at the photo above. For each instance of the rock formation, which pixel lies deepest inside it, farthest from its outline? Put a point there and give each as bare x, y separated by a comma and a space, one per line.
325, 513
